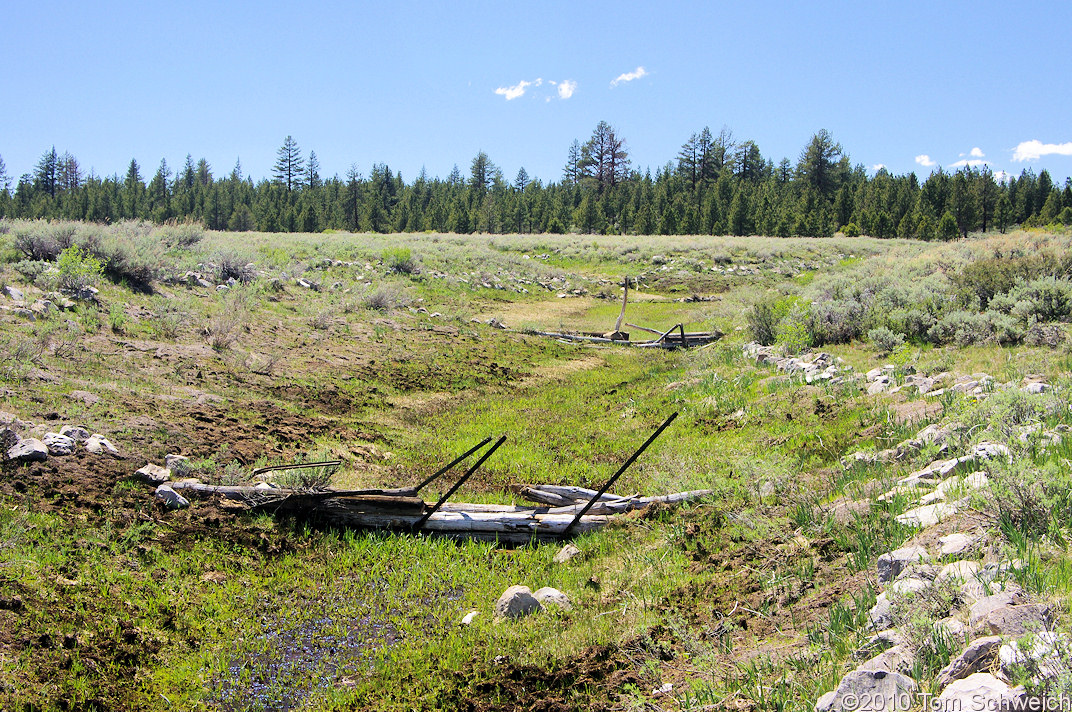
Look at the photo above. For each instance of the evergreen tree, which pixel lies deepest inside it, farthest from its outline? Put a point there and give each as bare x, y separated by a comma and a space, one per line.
289, 165
819, 164
604, 158
312, 172
947, 227
46, 173
69, 176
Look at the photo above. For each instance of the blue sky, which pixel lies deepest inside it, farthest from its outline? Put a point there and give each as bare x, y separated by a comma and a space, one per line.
906, 85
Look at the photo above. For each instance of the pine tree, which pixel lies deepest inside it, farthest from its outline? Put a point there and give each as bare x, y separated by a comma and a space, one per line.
818, 164
571, 174
5, 179
46, 173
288, 165
312, 172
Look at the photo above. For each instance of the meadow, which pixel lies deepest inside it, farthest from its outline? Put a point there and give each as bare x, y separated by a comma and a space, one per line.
388, 352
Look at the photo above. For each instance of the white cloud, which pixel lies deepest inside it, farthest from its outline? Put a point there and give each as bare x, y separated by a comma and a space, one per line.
629, 76
962, 163
878, 167
1035, 149
977, 152
566, 88
515, 91
924, 160
1001, 176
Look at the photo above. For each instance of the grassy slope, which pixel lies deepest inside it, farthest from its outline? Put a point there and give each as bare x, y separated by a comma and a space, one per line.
757, 595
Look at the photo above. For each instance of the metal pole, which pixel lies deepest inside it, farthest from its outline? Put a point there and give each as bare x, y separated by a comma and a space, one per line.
454, 462
420, 522
618, 474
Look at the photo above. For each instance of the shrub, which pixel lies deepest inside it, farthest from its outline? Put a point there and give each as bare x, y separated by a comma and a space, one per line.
78, 269
168, 318
850, 230
837, 321
36, 243
400, 260
383, 299
947, 227
117, 318
763, 319
884, 340
32, 269
1046, 299
230, 264
964, 328
794, 329
182, 236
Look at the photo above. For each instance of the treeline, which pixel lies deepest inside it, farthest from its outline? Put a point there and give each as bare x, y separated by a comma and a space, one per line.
716, 185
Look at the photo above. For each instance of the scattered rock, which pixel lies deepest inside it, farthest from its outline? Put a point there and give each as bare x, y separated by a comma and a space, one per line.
892, 563
85, 397
870, 691
928, 515
153, 474
468, 618
552, 597
988, 604
566, 553
28, 450
846, 511
978, 691
975, 658
170, 498
899, 658
881, 614
13, 293
1037, 388
956, 544
75, 432
1018, 620
100, 445
58, 444
178, 464
963, 570
516, 602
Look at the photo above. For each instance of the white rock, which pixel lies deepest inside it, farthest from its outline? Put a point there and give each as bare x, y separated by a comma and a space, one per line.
469, 617
75, 432
988, 604
928, 515
891, 564
954, 544
978, 691
567, 552
962, 570
178, 464
100, 445
28, 450
58, 444
870, 691
516, 602
153, 474
170, 498
552, 597
1037, 388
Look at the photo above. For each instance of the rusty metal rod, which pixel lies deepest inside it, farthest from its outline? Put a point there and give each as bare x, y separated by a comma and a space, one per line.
618, 474
300, 466
453, 462
420, 522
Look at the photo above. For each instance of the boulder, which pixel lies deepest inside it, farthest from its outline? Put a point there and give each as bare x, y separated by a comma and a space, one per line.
566, 553
986, 605
153, 474
28, 450
517, 602
881, 614
1037, 388
1018, 620
928, 515
978, 691
75, 432
975, 658
892, 563
13, 293
85, 397
962, 570
552, 598
170, 498
956, 544
899, 658
178, 464
58, 444
100, 445
870, 691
